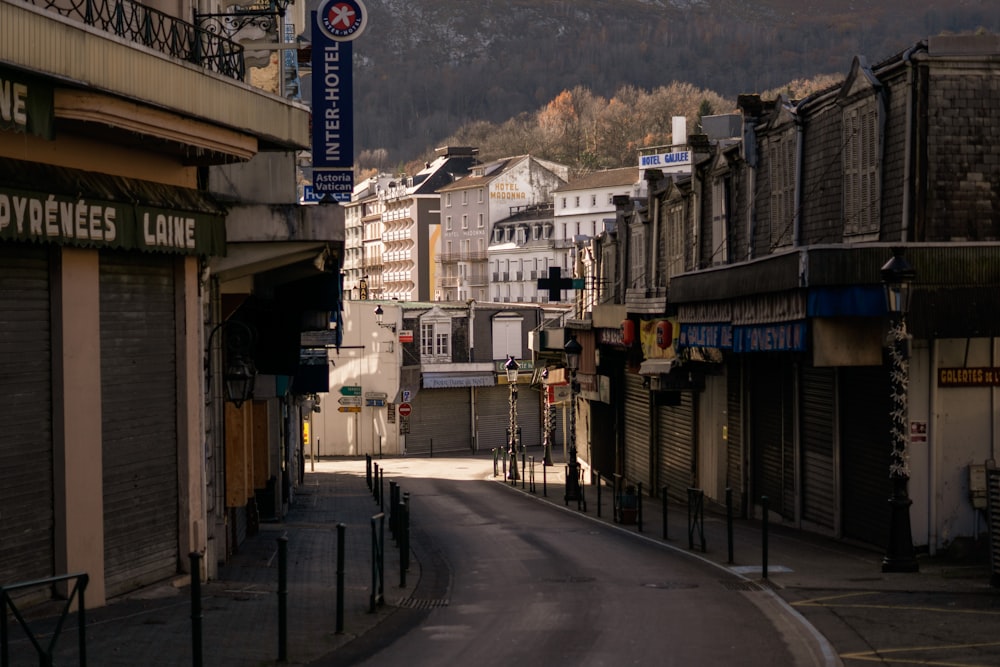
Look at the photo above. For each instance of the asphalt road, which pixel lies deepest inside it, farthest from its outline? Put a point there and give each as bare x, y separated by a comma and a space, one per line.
508, 580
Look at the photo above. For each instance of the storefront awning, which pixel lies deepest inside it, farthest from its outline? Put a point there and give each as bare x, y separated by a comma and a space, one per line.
44, 203
452, 380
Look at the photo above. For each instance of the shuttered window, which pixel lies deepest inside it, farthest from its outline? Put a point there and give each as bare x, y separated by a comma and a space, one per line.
781, 161
862, 194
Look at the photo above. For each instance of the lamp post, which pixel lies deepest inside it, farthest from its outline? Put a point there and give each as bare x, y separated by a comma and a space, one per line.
511, 368
572, 348
548, 423
379, 313
897, 279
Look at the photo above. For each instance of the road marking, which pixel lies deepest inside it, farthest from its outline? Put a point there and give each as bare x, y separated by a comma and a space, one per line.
879, 656
826, 602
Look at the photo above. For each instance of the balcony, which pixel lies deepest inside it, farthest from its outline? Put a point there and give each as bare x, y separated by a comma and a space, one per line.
132, 52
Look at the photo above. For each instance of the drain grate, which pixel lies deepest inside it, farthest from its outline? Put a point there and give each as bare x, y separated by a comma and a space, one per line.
417, 603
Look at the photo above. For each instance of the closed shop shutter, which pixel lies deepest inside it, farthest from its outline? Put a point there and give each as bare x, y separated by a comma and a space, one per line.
675, 445
139, 397
638, 430
817, 415
771, 441
735, 462
442, 420
26, 494
865, 453
493, 410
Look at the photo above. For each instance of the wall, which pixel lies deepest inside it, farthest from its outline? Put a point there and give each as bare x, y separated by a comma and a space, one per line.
370, 358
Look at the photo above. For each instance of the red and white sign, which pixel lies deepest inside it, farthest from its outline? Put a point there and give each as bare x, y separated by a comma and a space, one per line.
405, 409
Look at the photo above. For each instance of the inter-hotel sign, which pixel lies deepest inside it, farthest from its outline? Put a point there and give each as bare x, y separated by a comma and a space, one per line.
969, 377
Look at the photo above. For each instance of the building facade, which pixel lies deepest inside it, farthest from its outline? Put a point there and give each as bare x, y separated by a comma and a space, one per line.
106, 230
469, 209
751, 318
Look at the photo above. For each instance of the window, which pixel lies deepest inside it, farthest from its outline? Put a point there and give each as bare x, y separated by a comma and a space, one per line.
593, 200
781, 168
447, 223
576, 202
480, 221
435, 340
447, 199
465, 222
465, 197
862, 196
479, 192
564, 202
720, 217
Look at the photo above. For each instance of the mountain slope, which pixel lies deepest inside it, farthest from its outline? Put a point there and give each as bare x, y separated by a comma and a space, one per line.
425, 67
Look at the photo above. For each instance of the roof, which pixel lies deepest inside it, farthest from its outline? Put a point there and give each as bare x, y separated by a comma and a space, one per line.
608, 178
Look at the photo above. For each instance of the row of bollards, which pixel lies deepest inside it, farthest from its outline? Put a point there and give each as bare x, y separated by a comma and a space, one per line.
399, 514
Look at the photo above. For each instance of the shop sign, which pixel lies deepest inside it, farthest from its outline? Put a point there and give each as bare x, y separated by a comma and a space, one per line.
969, 377
48, 217
778, 337
26, 104
718, 336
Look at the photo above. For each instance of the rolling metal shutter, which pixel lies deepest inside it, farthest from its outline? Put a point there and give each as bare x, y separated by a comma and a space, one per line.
493, 409
139, 395
865, 453
771, 441
735, 463
442, 419
675, 440
26, 477
638, 431
818, 432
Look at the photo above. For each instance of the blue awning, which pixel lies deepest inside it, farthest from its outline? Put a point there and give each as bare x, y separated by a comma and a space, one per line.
452, 380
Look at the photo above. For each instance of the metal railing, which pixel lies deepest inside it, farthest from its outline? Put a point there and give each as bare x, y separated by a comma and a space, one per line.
46, 653
157, 30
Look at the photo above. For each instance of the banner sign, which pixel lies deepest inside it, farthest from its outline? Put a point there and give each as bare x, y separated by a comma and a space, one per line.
336, 24
53, 217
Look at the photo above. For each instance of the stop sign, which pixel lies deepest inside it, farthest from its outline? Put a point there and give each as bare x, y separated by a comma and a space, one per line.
405, 409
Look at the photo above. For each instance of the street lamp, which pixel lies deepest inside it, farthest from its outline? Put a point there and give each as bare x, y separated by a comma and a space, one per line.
511, 368
391, 326
572, 348
897, 280
548, 422
239, 374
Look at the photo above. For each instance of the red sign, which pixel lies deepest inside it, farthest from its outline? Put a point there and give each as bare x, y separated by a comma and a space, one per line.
405, 409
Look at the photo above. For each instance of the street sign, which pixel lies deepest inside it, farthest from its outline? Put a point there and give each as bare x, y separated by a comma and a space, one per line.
350, 400
375, 402
379, 395
349, 408
405, 409
350, 390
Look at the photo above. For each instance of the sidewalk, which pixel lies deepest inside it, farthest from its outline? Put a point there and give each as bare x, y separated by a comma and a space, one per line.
795, 558
153, 627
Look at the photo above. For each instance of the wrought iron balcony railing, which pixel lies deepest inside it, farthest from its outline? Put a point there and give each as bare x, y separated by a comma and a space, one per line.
156, 30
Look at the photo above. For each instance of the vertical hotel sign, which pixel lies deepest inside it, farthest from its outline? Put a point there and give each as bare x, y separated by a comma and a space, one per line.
335, 26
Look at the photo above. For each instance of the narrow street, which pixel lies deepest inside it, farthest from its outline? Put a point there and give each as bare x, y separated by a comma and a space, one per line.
528, 582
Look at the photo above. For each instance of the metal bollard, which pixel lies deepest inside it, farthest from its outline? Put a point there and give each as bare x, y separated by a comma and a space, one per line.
404, 556
282, 598
381, 489
729, 522
196, 615
375, 481
341, 531
393, 501
638, 507
545, 480
599, 485
665, 522
763, 540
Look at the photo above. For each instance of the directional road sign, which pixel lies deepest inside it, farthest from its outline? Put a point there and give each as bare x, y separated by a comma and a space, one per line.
350, 390
349, 408
349, 400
